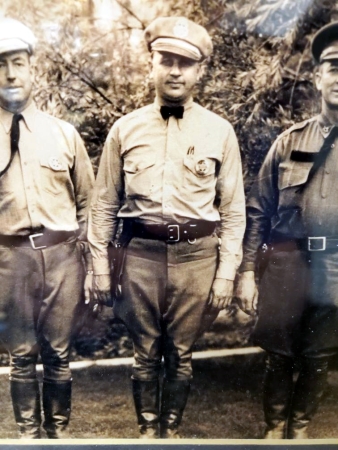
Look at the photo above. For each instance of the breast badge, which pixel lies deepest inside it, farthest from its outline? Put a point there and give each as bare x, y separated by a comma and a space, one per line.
202, 167
54, 163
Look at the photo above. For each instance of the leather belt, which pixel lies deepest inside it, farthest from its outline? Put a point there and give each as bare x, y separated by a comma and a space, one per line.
310, 244
172, 232
38, 240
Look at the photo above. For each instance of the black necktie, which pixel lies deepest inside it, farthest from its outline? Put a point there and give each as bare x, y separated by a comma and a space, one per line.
320, 157
176, 111
14, 136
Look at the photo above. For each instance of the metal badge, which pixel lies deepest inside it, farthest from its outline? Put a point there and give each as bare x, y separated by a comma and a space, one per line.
54, 163
202, 167
181, 28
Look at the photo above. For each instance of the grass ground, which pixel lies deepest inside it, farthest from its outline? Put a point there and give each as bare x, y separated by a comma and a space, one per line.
225, 403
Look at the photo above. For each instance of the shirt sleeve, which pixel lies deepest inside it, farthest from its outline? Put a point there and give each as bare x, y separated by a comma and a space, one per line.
261, 207
230, 196
83, 180
106, 203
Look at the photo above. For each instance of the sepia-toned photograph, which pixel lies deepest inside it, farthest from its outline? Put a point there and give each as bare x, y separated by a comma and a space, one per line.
168, 217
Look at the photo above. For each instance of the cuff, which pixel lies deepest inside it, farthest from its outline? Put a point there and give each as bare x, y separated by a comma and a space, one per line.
247, 266
227, 271
101, 266
87, 255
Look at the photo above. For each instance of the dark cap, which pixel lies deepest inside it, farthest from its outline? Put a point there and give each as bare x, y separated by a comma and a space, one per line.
180, 36
325, 43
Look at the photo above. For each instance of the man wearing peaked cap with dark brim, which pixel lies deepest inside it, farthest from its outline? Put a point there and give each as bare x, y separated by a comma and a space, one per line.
293, 208
45, 183
171, 171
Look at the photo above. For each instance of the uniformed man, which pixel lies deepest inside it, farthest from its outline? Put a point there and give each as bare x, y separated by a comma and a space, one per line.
293, 207
45, 182
171, 171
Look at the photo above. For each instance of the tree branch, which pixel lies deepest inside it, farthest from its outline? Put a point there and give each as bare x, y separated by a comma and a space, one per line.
86, 80
296, 76
131, 13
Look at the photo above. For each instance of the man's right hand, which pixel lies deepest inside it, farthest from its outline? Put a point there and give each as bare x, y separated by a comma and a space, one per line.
246, 292
101, 289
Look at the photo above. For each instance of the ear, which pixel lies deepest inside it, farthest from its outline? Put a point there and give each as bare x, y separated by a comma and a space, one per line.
318, 78
31, 62
32, 70
201, 70
151, 65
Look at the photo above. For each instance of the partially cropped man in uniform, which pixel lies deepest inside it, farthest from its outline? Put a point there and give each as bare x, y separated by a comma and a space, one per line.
293, 208
171, 171
45, 182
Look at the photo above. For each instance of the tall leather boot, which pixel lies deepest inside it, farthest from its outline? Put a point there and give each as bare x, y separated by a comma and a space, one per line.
174, 399
277, 391
27, 410
56, 399
146, 399
308, 392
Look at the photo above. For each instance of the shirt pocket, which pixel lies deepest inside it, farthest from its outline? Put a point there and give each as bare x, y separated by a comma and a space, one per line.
139, 176
293, 175
199, 173
54, 176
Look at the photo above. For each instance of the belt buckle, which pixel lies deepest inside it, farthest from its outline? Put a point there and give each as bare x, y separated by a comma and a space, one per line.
312, 247
176, 230
32, 237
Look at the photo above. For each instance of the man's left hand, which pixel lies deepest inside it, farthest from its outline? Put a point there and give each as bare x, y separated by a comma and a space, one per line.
221, 294
94, 306
88, 288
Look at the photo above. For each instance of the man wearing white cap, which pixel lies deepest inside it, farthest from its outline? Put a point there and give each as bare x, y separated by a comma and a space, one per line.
293, 207
45, 182
171, 171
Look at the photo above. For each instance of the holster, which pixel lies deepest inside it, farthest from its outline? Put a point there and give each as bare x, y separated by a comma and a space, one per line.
117, 255
262, 260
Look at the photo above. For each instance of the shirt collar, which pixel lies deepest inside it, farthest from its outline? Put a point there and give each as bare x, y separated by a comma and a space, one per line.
28, 116
325, 126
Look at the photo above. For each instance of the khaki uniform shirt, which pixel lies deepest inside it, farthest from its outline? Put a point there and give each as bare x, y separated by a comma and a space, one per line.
278, 205
50, 179
170, 171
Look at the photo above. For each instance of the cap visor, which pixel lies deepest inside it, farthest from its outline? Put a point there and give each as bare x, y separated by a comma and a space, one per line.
177, 47
13, 45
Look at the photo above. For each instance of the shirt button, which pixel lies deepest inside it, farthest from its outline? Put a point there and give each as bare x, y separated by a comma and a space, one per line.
323, 195
327, 171
325, 129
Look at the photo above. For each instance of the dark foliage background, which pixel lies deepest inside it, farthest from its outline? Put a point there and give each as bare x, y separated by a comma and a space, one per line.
92, 68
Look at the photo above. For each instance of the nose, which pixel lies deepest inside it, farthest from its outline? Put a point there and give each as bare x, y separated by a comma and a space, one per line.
175, 69
10, 72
